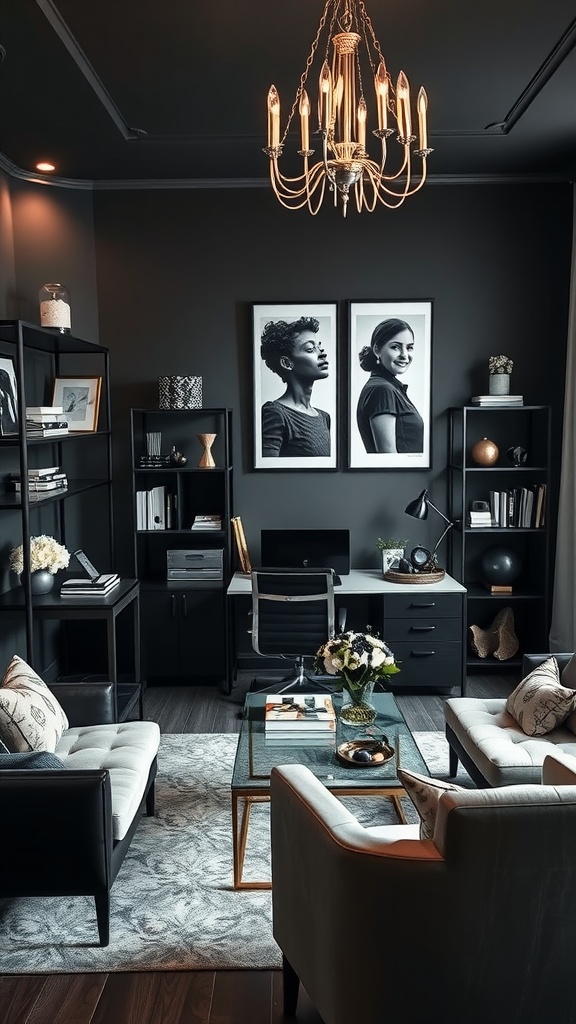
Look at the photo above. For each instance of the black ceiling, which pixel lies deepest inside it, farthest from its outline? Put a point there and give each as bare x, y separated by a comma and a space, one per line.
140, 90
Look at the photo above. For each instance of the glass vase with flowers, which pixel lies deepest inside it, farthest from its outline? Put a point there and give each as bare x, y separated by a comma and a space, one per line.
357, 661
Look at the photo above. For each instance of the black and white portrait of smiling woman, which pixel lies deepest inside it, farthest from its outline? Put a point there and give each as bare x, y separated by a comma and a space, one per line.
295, 386
390, 384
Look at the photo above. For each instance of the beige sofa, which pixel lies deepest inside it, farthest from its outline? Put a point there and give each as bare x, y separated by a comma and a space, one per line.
490, 744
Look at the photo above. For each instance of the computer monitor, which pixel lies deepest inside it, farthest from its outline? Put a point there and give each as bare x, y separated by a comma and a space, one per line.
293, 549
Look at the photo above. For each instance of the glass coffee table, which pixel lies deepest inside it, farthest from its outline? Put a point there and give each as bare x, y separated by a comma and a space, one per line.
258, 753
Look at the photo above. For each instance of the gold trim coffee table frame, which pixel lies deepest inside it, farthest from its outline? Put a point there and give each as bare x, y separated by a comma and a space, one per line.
253, 793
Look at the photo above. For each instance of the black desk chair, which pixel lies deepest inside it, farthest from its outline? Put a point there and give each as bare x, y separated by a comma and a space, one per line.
292, 616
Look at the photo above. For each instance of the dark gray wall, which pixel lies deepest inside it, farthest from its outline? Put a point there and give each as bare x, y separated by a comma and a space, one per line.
178, 270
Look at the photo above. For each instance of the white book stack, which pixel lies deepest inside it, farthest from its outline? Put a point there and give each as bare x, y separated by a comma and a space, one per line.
482, 519
45, 421
99, 586
495, 401
207, 523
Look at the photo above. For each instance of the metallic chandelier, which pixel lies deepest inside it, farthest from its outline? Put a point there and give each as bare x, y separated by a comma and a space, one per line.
345, 165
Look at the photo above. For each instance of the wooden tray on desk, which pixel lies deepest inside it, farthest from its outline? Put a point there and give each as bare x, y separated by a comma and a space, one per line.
415, 577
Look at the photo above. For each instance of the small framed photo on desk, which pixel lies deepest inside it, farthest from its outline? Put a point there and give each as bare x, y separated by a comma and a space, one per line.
295, 385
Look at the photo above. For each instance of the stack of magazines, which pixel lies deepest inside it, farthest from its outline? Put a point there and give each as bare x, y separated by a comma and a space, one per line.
299, 718
100, 586
45, 421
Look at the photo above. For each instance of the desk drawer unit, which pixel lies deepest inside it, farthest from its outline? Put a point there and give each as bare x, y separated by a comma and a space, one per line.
425, 632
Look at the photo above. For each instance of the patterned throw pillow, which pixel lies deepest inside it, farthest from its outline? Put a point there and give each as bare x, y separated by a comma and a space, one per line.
425, 793
30, 716
40, 760
540, 703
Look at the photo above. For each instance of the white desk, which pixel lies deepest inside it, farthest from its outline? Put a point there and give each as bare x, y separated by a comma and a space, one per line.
363, 581
424, 624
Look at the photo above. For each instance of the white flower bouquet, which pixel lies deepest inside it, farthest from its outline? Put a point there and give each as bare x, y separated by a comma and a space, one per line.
500, 364
45, 553
356, 660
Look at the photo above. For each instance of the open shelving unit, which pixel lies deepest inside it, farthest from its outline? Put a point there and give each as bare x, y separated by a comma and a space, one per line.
79, 517
528, 426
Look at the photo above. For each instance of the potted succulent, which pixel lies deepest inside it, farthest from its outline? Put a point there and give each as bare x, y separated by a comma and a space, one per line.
392, 551
499, 368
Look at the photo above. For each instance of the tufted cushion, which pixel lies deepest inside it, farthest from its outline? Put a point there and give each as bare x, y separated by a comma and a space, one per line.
127, 750
40, 760
30, 716
425, 793
539, 703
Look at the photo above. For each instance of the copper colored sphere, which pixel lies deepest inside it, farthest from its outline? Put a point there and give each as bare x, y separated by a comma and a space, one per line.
485, 452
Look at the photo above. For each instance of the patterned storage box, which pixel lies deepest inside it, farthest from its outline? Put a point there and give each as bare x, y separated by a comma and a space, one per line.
180, 392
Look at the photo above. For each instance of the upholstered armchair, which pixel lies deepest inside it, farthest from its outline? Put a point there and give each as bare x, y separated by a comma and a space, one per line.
476, 925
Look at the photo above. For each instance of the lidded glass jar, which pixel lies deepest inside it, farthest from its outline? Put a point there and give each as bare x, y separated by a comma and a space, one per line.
55, 307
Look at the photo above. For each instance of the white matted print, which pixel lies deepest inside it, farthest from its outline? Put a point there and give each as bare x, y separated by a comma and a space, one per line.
390, 384
80, 401
295, 385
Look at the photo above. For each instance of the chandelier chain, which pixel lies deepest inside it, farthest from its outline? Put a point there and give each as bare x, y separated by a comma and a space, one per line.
367, 24
304, 74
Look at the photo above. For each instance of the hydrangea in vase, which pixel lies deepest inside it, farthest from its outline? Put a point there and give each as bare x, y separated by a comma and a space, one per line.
358, 661
47, 556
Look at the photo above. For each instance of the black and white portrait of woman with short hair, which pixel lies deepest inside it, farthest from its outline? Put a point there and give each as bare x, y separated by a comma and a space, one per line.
390, 384
8, 398
295, 406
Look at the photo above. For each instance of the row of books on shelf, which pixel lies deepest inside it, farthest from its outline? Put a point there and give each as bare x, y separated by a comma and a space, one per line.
156, 509
523, 507
306, 715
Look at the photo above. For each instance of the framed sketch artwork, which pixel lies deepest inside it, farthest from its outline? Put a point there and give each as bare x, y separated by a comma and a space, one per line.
80, 401
8, 398
295, 396
390, 384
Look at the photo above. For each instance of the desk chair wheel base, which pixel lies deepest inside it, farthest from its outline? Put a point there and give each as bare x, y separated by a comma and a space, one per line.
298, 682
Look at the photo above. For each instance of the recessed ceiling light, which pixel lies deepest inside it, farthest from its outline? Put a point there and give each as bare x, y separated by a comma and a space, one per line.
45, 166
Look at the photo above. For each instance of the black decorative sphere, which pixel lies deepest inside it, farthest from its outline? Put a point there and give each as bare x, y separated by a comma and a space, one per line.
500, 566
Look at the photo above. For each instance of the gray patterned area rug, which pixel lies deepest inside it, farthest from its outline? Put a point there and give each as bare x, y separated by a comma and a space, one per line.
173, 905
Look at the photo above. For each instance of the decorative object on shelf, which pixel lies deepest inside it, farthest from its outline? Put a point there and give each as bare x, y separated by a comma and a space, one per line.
55, 307
499, 639
517, 455
241, 546
177, 458
180, 392
80, 401
8, 397
485, 452
499, 368
422, 565
345, 165
153, 458
207, 460
365, 753
500, 566
392, 552
358, 661
47, 556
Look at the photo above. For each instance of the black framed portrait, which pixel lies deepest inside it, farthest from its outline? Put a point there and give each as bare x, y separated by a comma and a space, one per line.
390, 384
295, 385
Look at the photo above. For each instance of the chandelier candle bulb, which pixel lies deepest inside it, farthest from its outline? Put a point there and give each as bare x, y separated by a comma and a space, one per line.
305, 120
362, 123
324, 94
403, 96
381, 83
422, 108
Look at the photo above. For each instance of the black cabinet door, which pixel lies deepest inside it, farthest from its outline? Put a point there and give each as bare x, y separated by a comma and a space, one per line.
183, 636
160, 635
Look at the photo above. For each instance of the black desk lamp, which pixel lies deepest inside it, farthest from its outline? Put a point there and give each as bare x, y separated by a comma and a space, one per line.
420, 557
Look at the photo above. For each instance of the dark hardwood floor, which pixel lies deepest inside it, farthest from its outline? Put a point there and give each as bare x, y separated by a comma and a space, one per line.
191, 997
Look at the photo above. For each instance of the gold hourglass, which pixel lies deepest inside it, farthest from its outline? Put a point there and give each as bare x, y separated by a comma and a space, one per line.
207, 440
